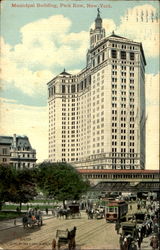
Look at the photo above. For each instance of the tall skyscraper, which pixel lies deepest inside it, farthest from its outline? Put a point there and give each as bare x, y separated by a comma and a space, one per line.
97, 117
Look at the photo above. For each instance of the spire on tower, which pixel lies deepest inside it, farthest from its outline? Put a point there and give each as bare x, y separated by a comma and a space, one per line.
98, 33
98, 20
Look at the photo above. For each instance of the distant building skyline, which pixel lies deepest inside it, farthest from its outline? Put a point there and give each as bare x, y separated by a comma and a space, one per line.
97, 117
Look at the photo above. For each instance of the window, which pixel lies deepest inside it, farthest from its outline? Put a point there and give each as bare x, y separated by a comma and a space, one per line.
93, 62
111, 209
114, 53
72, 88
98, 59
131, 56
68, 89
4, 150
103, 57
63, 88
123, 55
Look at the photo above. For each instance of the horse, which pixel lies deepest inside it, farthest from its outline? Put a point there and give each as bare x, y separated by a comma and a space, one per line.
71, 238
63, 213
25, 221
90, 214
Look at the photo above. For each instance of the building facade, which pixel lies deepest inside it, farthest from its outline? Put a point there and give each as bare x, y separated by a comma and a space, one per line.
17, 151
97, 117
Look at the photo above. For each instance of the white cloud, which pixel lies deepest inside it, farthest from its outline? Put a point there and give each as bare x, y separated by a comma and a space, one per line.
46, 44
26, 120
152, 123
141, 24
109, 26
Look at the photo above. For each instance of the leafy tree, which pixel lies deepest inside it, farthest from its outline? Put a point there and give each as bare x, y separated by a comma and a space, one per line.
61, 181
7, 183
25, 186
16, 185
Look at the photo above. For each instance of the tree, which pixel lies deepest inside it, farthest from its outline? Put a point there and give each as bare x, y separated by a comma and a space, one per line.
25, 186
16, 185
61, 181
7, 183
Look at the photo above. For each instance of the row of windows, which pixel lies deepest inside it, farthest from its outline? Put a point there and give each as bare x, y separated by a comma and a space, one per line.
123, 143
124, 131
98, 60
122, 124
121, 176
115, 45
122, 62
123, 55
123, 150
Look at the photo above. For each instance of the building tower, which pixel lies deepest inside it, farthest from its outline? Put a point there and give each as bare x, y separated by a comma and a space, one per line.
97, 118
98, 33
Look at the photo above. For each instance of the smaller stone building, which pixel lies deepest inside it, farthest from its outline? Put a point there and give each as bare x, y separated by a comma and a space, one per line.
17, 151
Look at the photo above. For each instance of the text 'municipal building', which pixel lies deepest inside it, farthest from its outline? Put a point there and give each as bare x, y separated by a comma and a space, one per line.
97, 117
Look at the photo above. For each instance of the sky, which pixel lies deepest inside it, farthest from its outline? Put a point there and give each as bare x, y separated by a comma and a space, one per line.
41, 38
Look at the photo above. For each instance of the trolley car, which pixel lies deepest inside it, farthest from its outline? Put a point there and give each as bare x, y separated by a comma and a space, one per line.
116, 210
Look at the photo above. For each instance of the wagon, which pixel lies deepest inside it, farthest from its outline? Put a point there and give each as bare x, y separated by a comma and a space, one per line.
65, 237
140, 217
74, 210
32, 221
129, 228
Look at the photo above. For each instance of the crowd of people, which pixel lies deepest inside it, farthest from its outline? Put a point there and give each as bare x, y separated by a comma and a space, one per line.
148, 228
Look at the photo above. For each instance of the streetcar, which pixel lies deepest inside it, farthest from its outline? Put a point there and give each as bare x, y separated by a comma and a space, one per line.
116, 210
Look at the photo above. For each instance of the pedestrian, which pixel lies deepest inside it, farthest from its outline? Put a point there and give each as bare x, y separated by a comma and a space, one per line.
47, 210
53, 244
139, 242
53, 213
125, 244
17, 209
15, 222
154, 243
132, 246
121, 242
117, 226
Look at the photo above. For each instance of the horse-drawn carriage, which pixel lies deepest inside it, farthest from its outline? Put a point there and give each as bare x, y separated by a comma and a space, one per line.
72, 211
129, 228
65, 237
30, 221
95, 214
128, 236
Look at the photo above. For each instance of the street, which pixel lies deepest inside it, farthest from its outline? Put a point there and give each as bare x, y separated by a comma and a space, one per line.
91, 234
